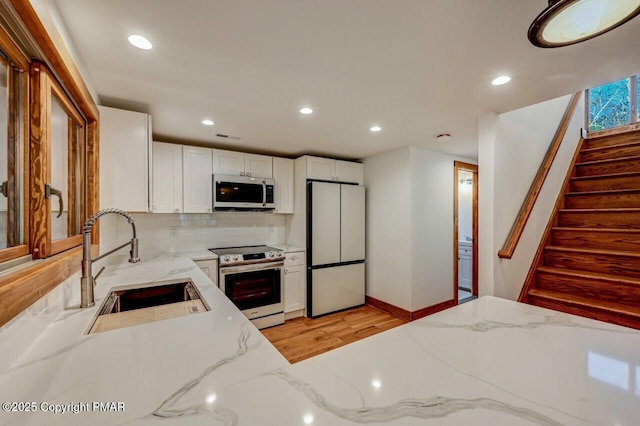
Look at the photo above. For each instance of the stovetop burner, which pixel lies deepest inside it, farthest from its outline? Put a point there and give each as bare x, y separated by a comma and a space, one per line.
247, 254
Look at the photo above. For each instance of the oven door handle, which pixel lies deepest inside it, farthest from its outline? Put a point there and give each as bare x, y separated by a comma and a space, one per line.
248, 268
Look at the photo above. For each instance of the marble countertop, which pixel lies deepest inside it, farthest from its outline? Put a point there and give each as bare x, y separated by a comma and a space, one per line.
486, 362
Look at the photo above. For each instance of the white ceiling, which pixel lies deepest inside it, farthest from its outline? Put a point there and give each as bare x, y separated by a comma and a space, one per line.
415, 67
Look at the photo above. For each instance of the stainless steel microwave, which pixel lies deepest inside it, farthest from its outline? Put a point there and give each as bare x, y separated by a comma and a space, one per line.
242, 193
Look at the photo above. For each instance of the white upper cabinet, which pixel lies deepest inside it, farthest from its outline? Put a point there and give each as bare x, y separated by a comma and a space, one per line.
125, 143
240, 164
256, 165
166, 178
197, 179
350, 172
334, 170
283, 192
227, 162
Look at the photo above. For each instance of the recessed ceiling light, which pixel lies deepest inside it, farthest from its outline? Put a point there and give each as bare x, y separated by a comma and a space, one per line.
306, 110
208, 122
376, 128
499, 81
140, 42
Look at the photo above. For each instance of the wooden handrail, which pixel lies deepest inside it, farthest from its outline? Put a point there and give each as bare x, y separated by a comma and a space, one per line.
527, 206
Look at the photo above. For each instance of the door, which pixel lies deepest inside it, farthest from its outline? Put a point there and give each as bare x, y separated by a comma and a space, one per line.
351, 223
325, 223
465, 232
227, 162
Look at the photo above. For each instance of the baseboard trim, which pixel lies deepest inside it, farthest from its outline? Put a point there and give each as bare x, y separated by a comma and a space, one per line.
406, 315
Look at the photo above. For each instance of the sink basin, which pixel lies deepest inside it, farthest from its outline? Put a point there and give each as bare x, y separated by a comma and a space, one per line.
149, 302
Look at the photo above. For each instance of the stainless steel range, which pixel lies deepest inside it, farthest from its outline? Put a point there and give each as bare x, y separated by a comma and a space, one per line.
252, 278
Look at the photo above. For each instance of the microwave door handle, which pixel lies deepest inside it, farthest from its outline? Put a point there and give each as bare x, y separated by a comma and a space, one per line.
264, 193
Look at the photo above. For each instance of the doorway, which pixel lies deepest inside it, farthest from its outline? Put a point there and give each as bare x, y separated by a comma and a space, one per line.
465, 232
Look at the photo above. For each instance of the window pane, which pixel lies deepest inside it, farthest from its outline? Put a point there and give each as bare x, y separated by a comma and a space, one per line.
66, 175
11, 157
638, 99
609, 105
4, 156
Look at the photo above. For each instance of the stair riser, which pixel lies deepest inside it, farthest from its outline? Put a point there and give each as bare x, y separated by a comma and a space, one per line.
615, 220
593, 288
608, 153
610, 167
602, 201
590, 312
596, 240
605, 183
612, 140
601, 263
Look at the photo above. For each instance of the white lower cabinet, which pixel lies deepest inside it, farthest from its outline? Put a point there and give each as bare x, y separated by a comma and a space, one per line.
210, 268
465, 266
295, 291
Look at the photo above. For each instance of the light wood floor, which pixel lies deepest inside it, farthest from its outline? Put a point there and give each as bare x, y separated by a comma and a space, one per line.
302, 338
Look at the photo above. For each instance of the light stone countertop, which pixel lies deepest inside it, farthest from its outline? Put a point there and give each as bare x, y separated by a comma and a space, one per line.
486, 362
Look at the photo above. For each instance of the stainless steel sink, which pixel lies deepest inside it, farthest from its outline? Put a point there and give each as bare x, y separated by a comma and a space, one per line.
149, 302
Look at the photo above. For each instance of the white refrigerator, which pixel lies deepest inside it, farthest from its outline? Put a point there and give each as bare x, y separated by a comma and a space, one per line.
335, 246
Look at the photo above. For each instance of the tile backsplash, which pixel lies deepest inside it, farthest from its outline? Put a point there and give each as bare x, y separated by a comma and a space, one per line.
159, 232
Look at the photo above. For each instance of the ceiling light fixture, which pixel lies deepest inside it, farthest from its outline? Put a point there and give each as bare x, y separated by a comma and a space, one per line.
306, 110
566, 22
443, 137
140, 42
208, 122
499, 81
375, 128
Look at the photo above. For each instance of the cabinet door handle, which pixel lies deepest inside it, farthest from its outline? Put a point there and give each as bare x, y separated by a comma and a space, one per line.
241, 173
4, 188
49, 191
248, 173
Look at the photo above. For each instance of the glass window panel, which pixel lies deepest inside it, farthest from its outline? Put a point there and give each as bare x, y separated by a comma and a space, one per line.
66, 173
11, 157
638, 99
610, 105
4, 156
59, 167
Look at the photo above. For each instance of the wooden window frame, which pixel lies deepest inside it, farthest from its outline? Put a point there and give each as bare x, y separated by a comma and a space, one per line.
20, 289
17, 60
44, 88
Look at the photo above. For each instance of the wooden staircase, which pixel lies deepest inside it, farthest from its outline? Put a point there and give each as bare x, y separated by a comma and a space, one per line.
588, 263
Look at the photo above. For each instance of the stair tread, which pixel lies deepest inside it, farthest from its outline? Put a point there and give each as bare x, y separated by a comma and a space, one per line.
614, 230
605, 191
608, 160
609, 175
627, 253
609, 210
619, 279
601, 148
587, 302
613, 133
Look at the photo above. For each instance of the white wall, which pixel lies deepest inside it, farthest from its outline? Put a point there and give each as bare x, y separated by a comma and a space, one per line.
388, 245
175, 232
410, 214
512, 147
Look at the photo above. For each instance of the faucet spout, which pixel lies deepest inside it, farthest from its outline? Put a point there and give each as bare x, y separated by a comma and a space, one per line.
87, 280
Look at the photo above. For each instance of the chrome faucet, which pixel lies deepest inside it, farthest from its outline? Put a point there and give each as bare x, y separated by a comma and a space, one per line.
88, 281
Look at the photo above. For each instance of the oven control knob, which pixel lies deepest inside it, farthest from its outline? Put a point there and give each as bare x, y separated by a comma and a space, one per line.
270, 254
225, 258
236, 257
280, 254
